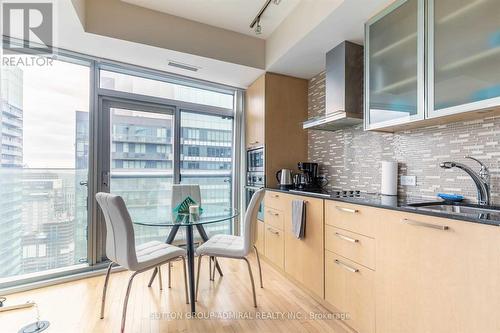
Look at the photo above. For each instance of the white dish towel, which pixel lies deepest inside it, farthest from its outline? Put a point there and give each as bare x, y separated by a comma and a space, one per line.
299, 218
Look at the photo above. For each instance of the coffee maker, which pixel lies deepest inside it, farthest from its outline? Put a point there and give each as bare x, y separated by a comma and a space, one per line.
308, 176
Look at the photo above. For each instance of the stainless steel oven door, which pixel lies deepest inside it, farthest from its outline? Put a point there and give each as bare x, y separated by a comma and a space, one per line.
249, 193
255, 159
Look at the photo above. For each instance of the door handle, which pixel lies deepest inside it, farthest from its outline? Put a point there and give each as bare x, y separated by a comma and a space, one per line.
346, 267
344, 237
273, 232
84, 183
424, 224
105, 179
346, 210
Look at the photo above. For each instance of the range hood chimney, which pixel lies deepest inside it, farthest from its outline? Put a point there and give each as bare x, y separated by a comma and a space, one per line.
344, 89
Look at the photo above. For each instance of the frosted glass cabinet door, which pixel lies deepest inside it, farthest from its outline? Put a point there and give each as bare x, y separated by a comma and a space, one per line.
394, 65
464, 55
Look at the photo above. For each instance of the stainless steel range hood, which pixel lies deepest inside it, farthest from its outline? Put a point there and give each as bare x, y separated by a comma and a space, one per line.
344, 89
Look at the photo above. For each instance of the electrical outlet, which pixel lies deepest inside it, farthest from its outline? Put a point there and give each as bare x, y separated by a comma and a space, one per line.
408, 180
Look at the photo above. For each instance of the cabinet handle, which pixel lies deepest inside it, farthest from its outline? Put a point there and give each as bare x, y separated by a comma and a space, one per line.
347, 210
346, 267
424, 224
344, 237
273, 232
276, 196
253, 143
272, 213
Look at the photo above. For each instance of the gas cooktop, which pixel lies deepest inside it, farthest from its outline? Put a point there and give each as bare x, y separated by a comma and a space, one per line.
330, 194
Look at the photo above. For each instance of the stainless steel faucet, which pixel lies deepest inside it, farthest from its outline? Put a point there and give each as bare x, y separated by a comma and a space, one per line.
481, 178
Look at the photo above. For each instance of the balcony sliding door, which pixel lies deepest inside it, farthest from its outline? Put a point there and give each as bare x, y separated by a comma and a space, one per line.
140, 161
206, 158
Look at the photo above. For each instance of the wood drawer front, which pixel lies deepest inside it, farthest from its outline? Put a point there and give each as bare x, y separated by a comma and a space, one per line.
356, 247
274, 241
355, 218
276, 200
350, 288
274, 218
259, 242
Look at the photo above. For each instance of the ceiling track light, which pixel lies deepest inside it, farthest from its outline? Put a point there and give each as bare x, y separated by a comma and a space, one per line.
256, 21
258, 27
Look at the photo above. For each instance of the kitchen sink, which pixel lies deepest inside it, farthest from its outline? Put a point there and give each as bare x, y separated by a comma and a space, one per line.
456, 208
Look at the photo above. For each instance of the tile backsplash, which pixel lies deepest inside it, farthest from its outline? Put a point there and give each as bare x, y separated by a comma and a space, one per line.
350, 158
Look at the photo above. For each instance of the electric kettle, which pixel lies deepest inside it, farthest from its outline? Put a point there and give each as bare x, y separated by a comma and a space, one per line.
285, 179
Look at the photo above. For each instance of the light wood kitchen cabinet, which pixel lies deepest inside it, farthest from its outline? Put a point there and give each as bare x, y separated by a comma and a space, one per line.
304, 257
276, 106
356, 247
259, 242
436, 275
274, 218
274, 245
254, 113
274, 200
349, 287
355, 218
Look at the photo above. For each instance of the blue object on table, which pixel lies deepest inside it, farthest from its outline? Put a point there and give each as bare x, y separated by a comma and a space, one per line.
451, 197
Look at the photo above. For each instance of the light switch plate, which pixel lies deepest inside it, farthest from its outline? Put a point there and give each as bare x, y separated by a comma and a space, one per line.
408, 180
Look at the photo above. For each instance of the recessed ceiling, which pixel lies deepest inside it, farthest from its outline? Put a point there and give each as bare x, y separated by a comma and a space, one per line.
235, 15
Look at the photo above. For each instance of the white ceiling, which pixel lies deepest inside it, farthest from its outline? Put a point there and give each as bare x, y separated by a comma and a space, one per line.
71, 36
304, 59
235, 15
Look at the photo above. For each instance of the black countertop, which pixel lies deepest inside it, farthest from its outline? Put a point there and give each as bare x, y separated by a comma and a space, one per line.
400, 203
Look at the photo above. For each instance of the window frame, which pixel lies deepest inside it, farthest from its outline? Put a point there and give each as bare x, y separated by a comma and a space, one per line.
95, 236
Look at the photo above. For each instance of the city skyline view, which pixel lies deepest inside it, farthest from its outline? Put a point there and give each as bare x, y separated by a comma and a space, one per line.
44, 137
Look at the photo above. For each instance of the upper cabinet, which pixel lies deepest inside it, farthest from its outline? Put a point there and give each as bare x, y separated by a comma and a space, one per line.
429, 59
276, 106
254, 113
394, 65
464, 55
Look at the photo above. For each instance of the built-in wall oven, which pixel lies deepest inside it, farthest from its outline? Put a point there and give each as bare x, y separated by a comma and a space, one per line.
255, 176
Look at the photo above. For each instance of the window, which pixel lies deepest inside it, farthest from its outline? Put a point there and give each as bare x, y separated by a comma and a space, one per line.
44, 149
193, 151
143, 86
46, 142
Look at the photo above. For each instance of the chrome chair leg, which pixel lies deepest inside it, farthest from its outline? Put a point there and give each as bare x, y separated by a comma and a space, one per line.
258, 262
251, 279
159, 278
125, 302
152, 277
185, 279
169, 275
198, 277
104, 289
213, 270
210, 268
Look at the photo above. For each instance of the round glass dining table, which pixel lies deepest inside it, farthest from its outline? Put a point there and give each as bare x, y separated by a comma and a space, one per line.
160, 218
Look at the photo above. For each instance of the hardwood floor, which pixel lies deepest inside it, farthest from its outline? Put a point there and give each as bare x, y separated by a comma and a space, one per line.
74, 306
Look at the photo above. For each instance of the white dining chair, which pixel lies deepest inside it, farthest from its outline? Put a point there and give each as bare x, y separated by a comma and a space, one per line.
236, 247
121, 249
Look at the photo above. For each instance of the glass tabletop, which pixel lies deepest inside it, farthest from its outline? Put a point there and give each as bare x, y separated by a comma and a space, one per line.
164, 218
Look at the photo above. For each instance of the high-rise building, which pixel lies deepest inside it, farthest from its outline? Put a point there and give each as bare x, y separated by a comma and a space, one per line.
48, 222
11, 163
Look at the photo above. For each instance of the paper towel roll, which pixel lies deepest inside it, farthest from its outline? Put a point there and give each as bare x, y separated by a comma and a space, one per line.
389, 184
